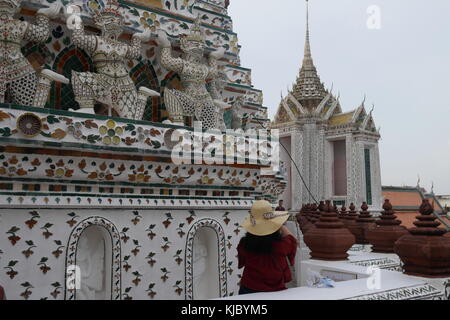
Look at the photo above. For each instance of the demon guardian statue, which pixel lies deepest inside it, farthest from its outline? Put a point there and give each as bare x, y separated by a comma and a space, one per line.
195, 100
19, 82
111, 84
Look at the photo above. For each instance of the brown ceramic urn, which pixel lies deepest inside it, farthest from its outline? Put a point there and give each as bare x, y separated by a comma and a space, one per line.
387, 231
425, 252
329, 240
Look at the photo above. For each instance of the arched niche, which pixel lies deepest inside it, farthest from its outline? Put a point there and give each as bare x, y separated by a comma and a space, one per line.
206, 276
68, 60
171, 81
144, 75
93, 261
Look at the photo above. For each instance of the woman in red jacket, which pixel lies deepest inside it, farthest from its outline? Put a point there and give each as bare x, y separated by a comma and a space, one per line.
264, 251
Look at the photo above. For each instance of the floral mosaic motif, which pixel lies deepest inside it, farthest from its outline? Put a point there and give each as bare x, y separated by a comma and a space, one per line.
137, 278
151, 259
178, 258
177, 287
33, 220
28, 252
10, 269
137, 218
151, 293
174, 175
28, 286
123, 235
166, 244
189, 254
180, 231
150, 233
46, 233
59, 249
136, 250
168, 222
12, 167
72, 220
191, 217
173, 260
59, 169
91, 131
70, 294
13, 237
126, 265
126, 295
57, 291
43, 265
137, 172
165, 274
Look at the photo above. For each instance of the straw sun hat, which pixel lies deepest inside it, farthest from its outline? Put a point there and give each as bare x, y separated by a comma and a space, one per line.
262, 220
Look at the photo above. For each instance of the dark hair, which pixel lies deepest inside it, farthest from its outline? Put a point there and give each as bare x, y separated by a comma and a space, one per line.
260, 244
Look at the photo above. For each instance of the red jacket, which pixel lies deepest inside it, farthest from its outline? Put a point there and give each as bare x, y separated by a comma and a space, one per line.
268, 272
2, 294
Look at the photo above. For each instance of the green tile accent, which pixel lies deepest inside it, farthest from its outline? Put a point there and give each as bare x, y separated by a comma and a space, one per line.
167, 14
368, 176
107, 183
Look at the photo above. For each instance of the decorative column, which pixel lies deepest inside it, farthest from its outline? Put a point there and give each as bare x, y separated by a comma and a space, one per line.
297, 145
387, 231
329, 240
377, 194
425, 252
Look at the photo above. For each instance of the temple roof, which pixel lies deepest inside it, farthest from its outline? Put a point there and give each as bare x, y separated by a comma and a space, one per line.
340, 119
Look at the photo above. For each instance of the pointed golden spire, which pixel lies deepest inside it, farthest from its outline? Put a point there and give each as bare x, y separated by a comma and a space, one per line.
308, 90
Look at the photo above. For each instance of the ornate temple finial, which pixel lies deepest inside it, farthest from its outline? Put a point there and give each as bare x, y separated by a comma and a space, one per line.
418, 181
308, 89
307, 44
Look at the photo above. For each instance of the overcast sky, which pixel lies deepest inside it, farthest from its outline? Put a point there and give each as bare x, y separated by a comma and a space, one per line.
404, 68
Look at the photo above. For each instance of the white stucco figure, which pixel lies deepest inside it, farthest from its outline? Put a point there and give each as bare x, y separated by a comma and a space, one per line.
19, 82
194, 100
91, 260
110, 84
199, 262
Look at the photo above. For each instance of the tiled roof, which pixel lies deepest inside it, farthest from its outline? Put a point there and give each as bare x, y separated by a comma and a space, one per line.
343, 118
407, 218
404, 199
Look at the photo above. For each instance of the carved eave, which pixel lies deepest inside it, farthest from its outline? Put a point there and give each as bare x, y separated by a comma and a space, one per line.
297, 103
358, 113
320, 107
335, 109
284, 114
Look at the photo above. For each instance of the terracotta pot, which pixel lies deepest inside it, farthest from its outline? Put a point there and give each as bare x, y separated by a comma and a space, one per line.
387, 231
364, 223
425, 252
329, 239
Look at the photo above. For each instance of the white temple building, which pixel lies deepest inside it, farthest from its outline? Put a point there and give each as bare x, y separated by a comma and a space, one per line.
336, 151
